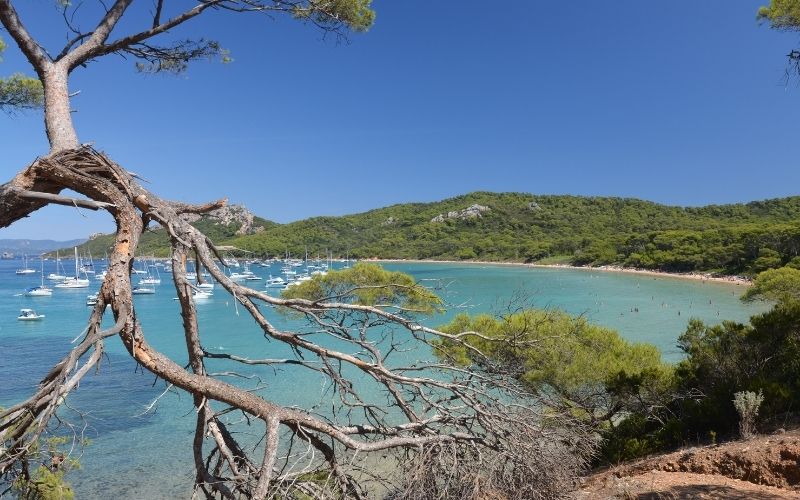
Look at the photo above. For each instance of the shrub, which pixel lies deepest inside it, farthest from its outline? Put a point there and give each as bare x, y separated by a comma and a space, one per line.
747, 404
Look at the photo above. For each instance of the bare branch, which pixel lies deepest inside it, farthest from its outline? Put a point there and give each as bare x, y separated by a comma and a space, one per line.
96, 47
33, 52
98, 36
63, 200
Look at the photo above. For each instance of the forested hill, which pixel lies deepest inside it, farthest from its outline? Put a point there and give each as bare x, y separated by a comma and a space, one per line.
737, 238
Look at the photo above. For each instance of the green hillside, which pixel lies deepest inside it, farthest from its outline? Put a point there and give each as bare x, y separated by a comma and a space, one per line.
155, 242
737, 238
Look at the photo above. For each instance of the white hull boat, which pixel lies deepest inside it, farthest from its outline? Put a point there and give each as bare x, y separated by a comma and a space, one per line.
29, 315
38, 291
25, 269
41, 290
275, 282
73, 283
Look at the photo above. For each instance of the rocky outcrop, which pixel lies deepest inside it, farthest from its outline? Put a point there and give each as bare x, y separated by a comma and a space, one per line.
231, 214
471, 212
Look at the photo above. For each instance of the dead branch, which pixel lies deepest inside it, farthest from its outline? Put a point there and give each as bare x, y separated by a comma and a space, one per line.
425, 414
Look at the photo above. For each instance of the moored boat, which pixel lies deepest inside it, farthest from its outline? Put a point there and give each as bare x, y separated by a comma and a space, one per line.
41, 290
38, 291
25, 269
29, 315
75, 282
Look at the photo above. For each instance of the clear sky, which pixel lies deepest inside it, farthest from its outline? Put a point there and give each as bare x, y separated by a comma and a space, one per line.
680, 102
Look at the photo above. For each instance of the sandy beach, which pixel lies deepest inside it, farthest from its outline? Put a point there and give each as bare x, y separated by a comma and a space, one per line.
736, 280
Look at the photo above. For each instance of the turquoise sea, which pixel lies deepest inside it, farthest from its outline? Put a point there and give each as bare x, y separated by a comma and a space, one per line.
147, 454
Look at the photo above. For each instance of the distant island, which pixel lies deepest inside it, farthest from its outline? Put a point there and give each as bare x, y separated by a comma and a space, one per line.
11, 248
734, 239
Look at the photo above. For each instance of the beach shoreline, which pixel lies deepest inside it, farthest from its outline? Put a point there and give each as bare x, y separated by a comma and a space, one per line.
735, 280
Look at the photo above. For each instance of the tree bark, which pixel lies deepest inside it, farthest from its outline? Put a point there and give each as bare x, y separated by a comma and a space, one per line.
58, 113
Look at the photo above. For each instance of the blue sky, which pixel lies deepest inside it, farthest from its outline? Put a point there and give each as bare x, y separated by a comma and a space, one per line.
677, 102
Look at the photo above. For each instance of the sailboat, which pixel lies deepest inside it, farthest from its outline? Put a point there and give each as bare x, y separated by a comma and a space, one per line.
25, 269
39, 291
87, 268
75, 282
150, 279
55, 276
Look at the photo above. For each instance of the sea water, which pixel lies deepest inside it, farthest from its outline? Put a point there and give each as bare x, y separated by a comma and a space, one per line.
141, 430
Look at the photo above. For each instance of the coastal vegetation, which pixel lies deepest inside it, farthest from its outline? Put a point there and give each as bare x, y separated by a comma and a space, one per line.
452, 433
744, 238
627, 394
421, 420
514, 404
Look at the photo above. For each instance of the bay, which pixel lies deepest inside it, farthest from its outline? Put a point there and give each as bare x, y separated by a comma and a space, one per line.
136, 453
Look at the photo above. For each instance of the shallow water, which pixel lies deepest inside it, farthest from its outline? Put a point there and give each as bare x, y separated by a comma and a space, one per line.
138, 454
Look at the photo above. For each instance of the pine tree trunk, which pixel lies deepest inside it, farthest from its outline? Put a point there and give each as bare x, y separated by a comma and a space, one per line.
57, 111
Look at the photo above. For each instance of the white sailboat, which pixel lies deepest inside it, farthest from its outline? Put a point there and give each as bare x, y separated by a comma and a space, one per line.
75, 282
55, 276
25, 269
198, 295
39, 291
87, 268
150, 279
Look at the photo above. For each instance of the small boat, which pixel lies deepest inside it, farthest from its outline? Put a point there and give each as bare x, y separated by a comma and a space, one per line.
91, 300
143, 290
56, 276
151, 279
275, 282
230, 262
25, 269
29, 315
38, 291
250, 275
75, 282
198, 295
205, 286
